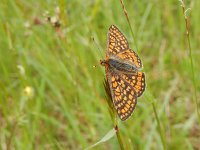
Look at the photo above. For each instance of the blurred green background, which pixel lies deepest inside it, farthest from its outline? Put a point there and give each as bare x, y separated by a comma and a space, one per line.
52, 97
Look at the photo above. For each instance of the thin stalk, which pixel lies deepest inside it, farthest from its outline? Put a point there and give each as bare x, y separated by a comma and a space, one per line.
127, 18
153, 105
190, 56
119, 137
159, 127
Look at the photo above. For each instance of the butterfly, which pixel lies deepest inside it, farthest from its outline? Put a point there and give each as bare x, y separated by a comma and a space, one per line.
123, 73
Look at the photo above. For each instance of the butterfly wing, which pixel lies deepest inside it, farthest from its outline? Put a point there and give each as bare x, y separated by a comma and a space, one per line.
118, 47
135, 80
125, 86
117, 42
123, 94
130, 57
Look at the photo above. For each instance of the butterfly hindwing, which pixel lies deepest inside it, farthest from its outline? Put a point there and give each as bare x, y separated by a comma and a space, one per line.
136, 80
123, 94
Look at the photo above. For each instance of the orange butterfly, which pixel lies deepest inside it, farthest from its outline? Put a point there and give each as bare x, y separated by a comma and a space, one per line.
122, 67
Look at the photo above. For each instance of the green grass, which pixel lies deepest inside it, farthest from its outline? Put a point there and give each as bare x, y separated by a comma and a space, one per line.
59, 101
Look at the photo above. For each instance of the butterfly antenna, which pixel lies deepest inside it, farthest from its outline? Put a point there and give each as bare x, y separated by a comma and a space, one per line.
97, 46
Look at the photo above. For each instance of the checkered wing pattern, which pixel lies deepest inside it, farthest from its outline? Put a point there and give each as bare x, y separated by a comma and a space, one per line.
116, 41
135, 80
126, 81
118, 46
123, 94
130, 57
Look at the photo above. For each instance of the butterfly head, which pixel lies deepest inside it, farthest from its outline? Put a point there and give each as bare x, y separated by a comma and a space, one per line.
103, 62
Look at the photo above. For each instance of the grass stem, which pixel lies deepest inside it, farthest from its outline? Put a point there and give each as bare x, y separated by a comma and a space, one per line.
159, 127
190, 56
153, 105
127, 18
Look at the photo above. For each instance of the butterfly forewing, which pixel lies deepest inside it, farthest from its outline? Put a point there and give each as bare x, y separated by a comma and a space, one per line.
116, 41
119, 47
130, 57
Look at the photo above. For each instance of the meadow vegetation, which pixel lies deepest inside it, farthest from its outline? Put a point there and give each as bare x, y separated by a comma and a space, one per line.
51, 96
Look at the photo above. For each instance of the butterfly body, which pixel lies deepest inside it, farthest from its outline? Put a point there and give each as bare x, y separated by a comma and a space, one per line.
122, 67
